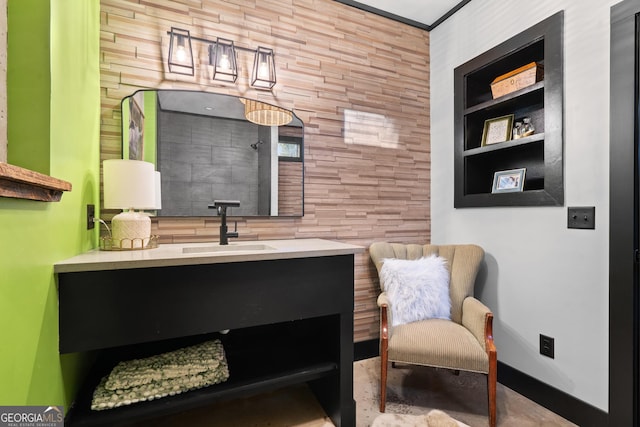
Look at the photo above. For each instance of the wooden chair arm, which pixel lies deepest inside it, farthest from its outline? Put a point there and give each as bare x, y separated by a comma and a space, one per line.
386, 329
384, 323
474, 318
488, 335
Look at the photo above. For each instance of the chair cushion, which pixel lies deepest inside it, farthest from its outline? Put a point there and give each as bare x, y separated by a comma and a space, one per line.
438, 343
417, 289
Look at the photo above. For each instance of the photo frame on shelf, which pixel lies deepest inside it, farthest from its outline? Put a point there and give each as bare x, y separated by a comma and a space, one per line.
498, 129
509, 181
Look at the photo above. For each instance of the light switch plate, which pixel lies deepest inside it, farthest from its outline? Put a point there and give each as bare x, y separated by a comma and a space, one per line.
581, 217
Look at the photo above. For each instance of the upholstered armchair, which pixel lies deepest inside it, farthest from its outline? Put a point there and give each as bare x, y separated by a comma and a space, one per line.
464, 343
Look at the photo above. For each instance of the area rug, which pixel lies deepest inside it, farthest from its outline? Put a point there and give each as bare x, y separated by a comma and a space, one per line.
434, 418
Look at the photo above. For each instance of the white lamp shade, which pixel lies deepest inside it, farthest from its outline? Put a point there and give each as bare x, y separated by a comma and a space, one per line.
129, 184
158, 204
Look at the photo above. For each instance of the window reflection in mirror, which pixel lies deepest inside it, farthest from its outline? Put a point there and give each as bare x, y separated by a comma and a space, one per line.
205, 150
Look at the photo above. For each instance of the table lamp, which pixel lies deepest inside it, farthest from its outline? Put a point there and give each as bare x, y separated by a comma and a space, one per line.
130, 185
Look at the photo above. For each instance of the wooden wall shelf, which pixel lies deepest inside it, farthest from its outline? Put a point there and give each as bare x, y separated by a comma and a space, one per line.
20, 183
541, 153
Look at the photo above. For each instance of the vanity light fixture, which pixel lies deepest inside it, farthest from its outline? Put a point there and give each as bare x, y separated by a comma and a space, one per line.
222, 58
180, 52
130, 185
264, 69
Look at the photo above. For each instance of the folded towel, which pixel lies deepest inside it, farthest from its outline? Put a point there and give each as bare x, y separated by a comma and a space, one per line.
186, 361
162, 375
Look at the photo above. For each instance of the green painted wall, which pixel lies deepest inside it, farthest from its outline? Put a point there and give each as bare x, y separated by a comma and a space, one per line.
124, 112
150, 126
35, 235
28, 40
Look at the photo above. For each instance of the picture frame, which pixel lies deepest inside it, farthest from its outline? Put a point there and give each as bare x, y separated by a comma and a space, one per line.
508, 181
498, 129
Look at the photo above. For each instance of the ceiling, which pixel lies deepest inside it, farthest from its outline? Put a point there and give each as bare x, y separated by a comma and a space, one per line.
424, 14
206, 104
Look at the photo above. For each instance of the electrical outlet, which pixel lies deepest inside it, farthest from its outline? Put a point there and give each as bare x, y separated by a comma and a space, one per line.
91, 213
546, 346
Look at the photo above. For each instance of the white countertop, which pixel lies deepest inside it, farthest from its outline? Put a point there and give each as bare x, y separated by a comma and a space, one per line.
166, 255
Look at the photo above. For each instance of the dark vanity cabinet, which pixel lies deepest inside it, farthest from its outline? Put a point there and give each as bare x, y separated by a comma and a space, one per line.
541, 153
290, 322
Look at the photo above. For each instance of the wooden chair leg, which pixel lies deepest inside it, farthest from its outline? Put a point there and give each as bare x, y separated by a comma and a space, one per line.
383, 376
492, 376
492, 379
384, 356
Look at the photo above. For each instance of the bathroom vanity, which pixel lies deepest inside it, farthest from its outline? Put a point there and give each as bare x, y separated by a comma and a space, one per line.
287, 303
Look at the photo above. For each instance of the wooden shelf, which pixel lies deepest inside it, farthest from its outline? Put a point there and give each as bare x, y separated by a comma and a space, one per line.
260, 359
538, 137
20, 183
525, 198
506, 98
540, 154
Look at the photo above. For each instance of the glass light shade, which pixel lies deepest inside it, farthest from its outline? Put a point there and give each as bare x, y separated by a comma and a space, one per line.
180, 53
222, 57
263, 75
265, 114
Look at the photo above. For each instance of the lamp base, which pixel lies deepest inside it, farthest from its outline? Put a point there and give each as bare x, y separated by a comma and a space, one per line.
131, 230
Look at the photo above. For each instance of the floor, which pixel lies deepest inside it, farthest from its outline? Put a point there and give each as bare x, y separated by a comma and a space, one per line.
293, 406
411, 390
416, 390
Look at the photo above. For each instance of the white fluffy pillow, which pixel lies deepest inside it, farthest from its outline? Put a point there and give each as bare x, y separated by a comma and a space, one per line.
417, 289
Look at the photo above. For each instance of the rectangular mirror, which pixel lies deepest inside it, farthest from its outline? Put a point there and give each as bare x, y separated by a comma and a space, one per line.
206, 149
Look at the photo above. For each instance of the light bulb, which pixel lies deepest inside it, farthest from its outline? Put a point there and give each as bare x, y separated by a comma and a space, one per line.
263, 71
224, 62
181, 54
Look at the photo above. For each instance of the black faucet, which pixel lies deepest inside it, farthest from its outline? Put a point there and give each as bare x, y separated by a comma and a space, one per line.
221, 206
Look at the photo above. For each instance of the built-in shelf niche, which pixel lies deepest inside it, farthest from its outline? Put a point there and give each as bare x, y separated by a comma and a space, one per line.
541, 153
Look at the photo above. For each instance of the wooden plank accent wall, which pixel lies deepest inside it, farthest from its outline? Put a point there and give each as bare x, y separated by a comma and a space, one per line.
359, 82
290, 178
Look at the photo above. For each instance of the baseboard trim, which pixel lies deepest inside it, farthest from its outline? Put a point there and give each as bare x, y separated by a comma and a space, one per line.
366, 349
563, 404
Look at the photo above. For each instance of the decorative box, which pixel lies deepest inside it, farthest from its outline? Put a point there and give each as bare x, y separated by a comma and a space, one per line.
519, 78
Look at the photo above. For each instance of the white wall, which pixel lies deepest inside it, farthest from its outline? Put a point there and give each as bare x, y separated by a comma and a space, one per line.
541, 277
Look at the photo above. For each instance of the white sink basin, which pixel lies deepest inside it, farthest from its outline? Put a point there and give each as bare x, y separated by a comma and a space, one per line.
250, 247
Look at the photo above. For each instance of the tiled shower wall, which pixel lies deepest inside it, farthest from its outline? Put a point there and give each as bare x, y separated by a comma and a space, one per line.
198, 165
360, 84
